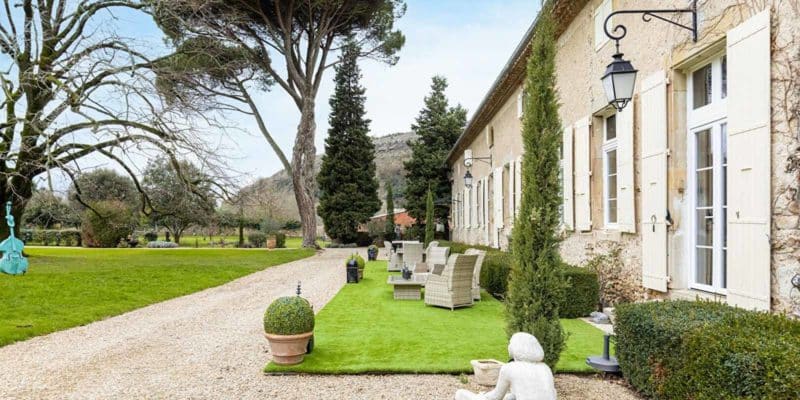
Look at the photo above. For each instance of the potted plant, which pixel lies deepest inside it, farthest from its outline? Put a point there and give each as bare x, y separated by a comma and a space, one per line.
360, 262
372, 253
288, 325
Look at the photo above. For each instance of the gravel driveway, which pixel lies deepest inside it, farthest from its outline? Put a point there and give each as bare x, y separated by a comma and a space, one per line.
210, 345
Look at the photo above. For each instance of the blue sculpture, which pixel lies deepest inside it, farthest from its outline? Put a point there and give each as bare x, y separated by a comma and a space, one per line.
13, 262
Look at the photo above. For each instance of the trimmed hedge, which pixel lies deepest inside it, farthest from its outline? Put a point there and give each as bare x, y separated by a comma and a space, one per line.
582, 295
494, 273
280, 240
257, 239
705, 350
52, 237
290, 315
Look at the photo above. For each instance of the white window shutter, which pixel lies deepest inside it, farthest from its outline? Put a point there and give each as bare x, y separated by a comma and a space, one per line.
473, 205
749, 147
512, 182
518, 188
520, 101
498, 197
654, 181
567, 178
485, 208
626, 205
583, 213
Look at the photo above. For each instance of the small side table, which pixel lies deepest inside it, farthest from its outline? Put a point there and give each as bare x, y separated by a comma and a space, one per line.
407, 289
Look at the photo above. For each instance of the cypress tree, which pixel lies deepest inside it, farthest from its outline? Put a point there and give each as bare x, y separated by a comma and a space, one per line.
430, 223
437, 126
536, 283
349, 190
389, 231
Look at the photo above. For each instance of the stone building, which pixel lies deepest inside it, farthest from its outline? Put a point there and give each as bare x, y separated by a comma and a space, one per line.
695, 181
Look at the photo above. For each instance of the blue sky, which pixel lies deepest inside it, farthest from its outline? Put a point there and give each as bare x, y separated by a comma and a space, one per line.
467, 41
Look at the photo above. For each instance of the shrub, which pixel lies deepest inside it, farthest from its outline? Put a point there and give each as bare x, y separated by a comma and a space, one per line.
111, 223
333, 245
160, 244
359, 261
363, 239
280, 240
705, 350
291, 315
494, 273
150, 236
57, 237
582, 294
616, 286
257, 239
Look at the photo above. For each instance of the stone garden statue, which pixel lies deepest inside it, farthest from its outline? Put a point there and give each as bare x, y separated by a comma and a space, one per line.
13, 262
525, 378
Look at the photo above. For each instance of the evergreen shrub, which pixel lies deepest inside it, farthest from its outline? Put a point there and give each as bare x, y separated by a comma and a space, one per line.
705, 350
257, 239
280, 240
290, 315
582, 295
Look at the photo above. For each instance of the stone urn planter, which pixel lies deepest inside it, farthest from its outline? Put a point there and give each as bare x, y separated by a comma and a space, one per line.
486, 371
372, 253
288, 326
271, 243
360, 263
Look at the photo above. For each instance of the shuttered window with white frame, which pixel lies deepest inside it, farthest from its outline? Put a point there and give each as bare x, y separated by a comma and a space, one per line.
512, 177
518, 187
626, 203
582, 163
749, 163
568, 208
654, 181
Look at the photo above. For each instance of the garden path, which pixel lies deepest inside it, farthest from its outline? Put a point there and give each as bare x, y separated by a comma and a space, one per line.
210, 345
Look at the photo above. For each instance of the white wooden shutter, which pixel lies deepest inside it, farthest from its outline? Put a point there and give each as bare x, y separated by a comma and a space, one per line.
654, 181
485, 209
512, 183
473, 202
583, 213
749, 147
626, 207
567, 178
518, 188
498, 197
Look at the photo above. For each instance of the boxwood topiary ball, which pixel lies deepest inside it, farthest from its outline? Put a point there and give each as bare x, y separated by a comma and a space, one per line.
291, 315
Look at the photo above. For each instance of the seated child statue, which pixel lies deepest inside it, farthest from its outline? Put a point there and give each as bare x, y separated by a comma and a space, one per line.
525, 378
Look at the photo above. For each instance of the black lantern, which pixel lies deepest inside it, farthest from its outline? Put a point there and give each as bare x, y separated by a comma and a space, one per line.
618, 82
468, 180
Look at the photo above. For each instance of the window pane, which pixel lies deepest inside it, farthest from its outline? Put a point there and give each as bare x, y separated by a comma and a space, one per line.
724, 271
701, 81
612, 186
705, 262
612, 211
705, 188
724, 77
705, 227
705, 152
611, 127
611, 160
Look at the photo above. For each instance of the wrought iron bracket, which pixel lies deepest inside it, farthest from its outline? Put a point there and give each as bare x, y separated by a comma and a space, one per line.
620, 30
487, 160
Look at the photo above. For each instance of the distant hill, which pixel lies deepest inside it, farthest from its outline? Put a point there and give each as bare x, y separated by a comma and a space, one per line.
390, 153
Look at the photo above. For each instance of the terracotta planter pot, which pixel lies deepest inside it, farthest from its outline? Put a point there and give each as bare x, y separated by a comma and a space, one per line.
271, 243
288, 349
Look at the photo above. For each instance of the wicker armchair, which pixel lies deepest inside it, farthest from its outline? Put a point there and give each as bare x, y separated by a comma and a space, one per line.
428, 249
476, 277
412, 254
387, 245
453, 288
436, 256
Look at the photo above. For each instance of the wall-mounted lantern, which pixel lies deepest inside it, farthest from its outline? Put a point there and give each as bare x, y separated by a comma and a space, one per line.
468, 180
620, 76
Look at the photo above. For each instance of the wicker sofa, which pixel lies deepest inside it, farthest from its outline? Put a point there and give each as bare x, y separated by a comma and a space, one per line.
453, 287
476, 276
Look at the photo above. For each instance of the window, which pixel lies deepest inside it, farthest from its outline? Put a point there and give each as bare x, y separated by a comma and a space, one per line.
561, 219
600, 14
708, 173
610, 185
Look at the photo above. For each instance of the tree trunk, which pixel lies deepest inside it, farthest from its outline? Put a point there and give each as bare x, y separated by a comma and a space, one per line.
303, 181
241, 233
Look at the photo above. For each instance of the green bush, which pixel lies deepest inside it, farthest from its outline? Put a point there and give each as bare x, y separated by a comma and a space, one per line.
280, 240
150, 236
705, 350
359, 261
257, 239
494, 273
291, 315
52, 237
111, 223
582, 294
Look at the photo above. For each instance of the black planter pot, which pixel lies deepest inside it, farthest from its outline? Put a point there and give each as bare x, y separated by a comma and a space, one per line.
352, 271
372, 254
406, 273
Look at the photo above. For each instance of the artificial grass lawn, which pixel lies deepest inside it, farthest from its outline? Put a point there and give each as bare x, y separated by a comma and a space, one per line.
67, 287
363, 330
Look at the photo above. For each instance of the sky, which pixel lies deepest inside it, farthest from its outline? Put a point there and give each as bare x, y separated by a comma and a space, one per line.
467, 41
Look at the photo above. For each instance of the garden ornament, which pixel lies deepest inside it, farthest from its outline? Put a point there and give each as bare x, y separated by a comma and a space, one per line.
13, 262
525, 378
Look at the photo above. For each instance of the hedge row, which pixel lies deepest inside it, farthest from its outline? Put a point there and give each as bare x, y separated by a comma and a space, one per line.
52, 237
581, 299
705, 350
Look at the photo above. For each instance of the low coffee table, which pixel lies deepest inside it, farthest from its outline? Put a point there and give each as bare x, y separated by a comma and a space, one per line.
407, 289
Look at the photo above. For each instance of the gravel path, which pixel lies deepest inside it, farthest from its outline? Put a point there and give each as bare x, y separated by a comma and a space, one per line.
210, 345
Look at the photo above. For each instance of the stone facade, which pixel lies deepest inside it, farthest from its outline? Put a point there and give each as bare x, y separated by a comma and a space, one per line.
652, 47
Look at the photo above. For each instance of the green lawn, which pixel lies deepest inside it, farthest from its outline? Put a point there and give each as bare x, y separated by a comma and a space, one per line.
67, 287
363, 330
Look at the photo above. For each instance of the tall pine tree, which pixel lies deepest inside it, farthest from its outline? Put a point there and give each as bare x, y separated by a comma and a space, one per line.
389, 231
437, 126
430, 225
348, 188
536, 284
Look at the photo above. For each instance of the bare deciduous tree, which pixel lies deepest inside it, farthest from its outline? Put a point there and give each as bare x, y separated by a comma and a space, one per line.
228, 49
